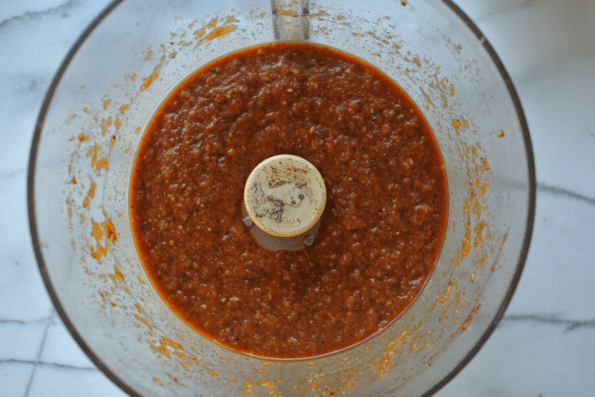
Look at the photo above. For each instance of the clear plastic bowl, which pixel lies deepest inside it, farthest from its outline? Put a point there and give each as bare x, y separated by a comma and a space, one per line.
105, 93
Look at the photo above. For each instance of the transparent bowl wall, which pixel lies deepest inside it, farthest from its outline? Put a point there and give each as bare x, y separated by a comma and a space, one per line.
92, 121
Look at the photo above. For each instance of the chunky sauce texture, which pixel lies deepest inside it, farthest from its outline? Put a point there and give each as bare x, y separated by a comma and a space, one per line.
381, 231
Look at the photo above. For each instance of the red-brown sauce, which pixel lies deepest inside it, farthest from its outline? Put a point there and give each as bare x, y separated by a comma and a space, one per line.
381, 231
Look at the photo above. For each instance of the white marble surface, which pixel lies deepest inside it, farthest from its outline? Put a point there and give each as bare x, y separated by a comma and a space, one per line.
544, 346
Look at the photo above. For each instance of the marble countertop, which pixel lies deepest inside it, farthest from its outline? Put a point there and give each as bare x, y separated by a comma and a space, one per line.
545, 344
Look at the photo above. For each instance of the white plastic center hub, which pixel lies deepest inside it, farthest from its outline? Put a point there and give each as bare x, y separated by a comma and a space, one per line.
285, 196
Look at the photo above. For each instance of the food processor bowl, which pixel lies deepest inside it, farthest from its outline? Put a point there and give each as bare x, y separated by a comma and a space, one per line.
106, 92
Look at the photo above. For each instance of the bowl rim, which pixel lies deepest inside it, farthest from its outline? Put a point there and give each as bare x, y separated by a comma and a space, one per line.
529, 223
